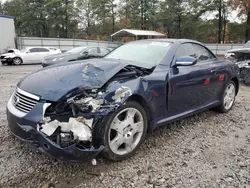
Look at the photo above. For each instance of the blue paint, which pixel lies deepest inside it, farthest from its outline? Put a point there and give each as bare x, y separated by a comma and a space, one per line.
170, 92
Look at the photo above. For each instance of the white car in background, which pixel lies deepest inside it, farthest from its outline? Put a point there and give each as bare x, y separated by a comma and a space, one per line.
27, 55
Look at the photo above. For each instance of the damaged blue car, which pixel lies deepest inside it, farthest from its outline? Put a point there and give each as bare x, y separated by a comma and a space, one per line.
107, 106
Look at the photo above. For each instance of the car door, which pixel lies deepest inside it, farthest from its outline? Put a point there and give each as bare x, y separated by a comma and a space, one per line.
29, 56
41, 53
216, 71
190, 86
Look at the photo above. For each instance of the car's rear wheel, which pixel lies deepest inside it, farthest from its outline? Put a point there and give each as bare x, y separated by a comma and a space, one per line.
228, 97
17, 61
124, 131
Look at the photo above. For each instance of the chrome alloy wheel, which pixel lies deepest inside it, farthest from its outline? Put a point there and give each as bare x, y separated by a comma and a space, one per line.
126, 131
17, 61
229, 96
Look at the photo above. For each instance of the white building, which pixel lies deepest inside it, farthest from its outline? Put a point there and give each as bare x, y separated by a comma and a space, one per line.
7, 33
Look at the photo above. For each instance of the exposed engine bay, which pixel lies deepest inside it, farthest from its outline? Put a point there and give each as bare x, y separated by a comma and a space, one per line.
72, 121
242, 59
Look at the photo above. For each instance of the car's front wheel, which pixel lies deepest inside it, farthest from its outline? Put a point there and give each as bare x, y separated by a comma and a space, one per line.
228, 97
124, 131
17, 61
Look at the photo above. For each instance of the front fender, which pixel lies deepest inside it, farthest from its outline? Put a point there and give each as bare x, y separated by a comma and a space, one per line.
137, 89
116, 94
121, 91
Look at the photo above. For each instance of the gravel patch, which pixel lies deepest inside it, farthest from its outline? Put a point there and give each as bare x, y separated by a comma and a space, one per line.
206, 150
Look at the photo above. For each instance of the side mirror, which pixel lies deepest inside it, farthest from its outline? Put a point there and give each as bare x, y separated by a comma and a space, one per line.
185, 61
27, 52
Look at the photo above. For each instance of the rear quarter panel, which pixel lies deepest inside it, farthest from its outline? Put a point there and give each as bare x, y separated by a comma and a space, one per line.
230, 69
230, 72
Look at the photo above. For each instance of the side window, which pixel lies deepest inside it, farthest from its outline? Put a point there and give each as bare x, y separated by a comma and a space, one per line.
186, 49
104, 51
42, 50
92, 51
201, 53
33, 50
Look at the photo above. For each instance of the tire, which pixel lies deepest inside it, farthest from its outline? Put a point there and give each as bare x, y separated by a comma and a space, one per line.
17, 61
106, 133
223, 108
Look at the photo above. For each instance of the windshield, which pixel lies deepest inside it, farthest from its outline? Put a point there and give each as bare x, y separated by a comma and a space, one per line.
76, 50
144, 54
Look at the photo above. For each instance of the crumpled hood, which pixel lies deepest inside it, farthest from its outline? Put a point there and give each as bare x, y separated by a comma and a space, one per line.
66, 80
8, 54
52, 59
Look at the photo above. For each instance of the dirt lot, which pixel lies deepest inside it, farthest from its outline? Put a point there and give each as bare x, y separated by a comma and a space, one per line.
207, 150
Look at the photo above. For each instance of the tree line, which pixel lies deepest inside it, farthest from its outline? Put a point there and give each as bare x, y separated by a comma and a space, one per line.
98, 19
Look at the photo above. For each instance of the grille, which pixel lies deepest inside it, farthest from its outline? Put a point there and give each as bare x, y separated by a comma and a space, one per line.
24, 101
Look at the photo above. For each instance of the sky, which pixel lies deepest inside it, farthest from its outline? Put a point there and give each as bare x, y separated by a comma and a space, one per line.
233, 17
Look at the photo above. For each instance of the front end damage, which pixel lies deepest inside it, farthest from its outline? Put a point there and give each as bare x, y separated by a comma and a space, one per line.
241, 57
73, 121
65, 125
70, 124
244, 71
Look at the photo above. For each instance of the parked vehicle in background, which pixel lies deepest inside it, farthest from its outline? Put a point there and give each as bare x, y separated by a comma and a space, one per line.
27, 55
13, 51
241, 57
75, 54
107, 105
232, 53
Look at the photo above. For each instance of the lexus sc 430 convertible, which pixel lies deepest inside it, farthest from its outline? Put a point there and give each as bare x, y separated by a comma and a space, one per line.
107, 106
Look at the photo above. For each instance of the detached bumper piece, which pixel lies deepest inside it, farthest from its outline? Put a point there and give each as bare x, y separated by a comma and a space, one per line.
45, 145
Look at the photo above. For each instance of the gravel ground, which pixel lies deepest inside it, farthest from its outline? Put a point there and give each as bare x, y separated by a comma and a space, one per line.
206, 150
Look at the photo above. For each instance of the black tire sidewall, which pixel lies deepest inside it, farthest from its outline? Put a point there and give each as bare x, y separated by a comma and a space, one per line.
102, 131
